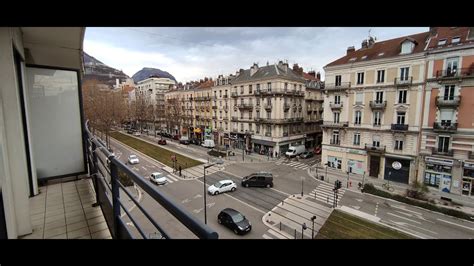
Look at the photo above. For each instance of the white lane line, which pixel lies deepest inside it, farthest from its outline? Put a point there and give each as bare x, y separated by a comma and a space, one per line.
266, 237
470, 228
403, 208
404, 213
422, 228
144, 168
404, 218
171, 177
169, 180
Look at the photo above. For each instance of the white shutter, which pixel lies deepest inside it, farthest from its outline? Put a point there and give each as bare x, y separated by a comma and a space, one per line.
447, 114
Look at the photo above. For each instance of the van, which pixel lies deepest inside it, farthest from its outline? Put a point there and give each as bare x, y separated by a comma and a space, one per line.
260, 179
294, 151
208, 143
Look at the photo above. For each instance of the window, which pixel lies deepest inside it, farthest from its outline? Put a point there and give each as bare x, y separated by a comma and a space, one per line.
399, 145
446, 116
407, 47
358, 117
258, 114
449, 92
220, 103
250, 126
269, 115
241, 126
258, 87
257, 128
301, 87
401, 118
338, 80
337, 99
379, 96
335, 137
359, 97
220, 93
443, 144
404, 73
250, 89
452, 66
377, 118
269, 101
376, 141
220, 114
258, 101
241, 89
225, 125
455, 40
241, 115
442, 42
402, 96
336, 117
269, 85
225, 93
380, 76
357, 139
360, 78
250, 115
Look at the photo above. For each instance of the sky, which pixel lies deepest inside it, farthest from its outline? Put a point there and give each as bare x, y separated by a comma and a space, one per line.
194, 53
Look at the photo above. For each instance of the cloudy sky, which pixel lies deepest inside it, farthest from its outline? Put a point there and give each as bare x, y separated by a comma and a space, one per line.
194, 53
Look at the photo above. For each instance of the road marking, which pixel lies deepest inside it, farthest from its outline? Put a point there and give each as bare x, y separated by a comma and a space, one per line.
401, 217
376, 208
198, 210
409, 231
209, 205
185, 201
266, 237
197, 196
144, 168
470, 228
423, 229
360, 200
404, 213
405, 209
275, 233
173, 178
169, 180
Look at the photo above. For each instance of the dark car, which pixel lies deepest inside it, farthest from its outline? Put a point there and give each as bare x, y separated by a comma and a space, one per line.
176, 137
130, 131
307, 154
261, 179
234, 220
196, 141
184, 141
162, 142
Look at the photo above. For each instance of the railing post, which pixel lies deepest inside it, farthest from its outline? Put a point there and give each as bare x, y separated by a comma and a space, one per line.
93, 169
115, 199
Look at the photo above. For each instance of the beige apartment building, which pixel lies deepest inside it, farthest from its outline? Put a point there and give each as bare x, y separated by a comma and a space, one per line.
373, 103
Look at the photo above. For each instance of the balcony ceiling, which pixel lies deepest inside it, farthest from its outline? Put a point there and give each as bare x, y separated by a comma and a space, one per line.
64, 37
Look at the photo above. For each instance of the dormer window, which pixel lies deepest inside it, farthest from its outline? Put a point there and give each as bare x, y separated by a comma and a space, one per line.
456, 39
381, 54
363, 57
442, 42
407, 47
353, 59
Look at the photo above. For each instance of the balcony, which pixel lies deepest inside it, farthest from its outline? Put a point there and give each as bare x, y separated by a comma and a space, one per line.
375, 105
335, 106
399, 127
286, 106
437, 151
300, 107
268, 134
445, 127
453, 101
267, 106
403, 82
337, 86
225, 96
197, 117
256, 92
234, 119
226, 107
335, 141
455, 73
214, 117
285, 134
225, 118
331, 124
375, 149
471, 155
244, 106
214, 107
234, 94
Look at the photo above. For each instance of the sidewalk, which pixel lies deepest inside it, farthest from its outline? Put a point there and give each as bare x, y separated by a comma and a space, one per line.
354, 179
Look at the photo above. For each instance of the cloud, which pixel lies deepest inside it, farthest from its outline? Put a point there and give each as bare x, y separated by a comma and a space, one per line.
194, 53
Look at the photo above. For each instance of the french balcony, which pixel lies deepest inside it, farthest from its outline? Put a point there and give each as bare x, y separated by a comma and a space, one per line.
335, 106
197, 117
399, 127
286, 106
234, 94
445, 127
225, 118
331, 124
455, 73
234, 119
267, 106
337, 86
375, 149
375, 105
268, 134
257, 92
443, 152
300, 107
335, 141
244, 106
452, 102
403, 82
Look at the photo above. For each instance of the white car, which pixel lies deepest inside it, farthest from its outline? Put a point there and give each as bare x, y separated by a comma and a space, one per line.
158, 178
221, 187
137, 133
133, 159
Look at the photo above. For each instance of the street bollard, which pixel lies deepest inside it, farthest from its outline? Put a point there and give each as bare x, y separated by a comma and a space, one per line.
295, 233
280, 225
315, 194
328, 200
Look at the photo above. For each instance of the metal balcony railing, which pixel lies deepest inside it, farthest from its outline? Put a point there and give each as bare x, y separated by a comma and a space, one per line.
335, 105
375, 105
267, 106
286, 106
234, 118
454, 73
443, 152
445, 127
285, 134
337, 86
335, 141
225, 96
403, 81
449, 101
372, 148
268, 134
214, 107
399, 127
107, 172
245, 106
335, 124
234, 94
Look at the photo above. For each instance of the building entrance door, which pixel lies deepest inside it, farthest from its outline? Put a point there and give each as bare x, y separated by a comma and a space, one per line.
374, 166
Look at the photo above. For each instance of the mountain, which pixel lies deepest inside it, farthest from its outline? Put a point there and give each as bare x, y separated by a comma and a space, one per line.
146, 72
95, 69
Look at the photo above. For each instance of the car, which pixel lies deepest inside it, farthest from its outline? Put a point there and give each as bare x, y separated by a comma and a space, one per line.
130, 131
176, 137
260, 179
208, 143
158, 178
137, 133
195, 141
234, 220
162, 141
184, 140
221, 187
133, 159
306, 154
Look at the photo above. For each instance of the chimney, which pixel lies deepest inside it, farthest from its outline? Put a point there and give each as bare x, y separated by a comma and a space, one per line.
284, 66
371, 41
312, 73
253, 69
297, 69
318, 76
206, 79
433, 31
364, 44
350, 49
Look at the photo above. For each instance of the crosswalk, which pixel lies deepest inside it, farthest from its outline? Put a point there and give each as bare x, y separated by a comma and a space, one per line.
198, 171
171, 179
272, 234
324, 193
295, 164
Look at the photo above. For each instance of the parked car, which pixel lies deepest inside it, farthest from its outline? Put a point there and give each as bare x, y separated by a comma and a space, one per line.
260, 179
195, 141
221, 187
294, 151
234, 220
137, 133
158, 178
176, 137
133, 159
208, 143
184, 140
162, 142
130, 131
306, 154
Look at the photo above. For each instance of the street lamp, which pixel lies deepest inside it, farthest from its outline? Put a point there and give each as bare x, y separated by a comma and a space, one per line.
205, 192
302, 183
303, 227
312, 219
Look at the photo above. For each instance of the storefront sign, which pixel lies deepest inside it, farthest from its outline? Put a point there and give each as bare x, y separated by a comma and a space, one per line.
356, 152
446, 183
396, 165
439, 161
469, 165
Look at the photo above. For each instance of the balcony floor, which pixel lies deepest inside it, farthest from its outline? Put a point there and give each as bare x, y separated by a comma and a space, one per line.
64, 211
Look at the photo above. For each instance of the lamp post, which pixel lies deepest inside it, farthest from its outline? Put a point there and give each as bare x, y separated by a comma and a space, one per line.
302, 184
205, 192
303, 227
326, 176
363, 179
312, 219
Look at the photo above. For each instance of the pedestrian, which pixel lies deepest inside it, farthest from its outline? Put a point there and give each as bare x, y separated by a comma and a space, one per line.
276, 154
180, 170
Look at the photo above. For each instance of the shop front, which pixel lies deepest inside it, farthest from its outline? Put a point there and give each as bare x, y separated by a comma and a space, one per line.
263, 146
397, 169
438, 173
208, 132
334, 162
468, 179
198, 133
